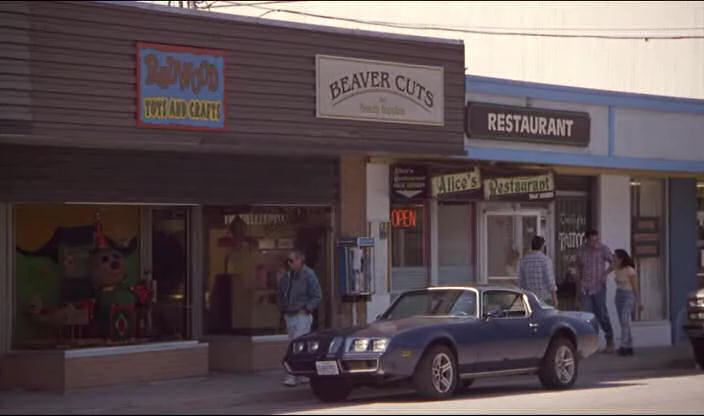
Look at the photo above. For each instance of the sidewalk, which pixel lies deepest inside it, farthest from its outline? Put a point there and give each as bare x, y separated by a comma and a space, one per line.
228, 390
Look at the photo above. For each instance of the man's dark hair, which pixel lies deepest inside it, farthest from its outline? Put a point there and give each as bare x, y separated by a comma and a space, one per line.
591, 232
537, 242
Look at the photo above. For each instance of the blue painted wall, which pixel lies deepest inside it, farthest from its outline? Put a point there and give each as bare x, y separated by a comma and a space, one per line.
683, 249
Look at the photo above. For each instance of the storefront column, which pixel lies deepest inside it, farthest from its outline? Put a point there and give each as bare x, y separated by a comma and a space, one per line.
613, 219
378, 208
6, 278
682, 249
195, 272
352, 223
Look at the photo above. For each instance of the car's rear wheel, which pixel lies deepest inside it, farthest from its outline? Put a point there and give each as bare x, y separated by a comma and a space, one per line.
560, 365
330, 389
436, 375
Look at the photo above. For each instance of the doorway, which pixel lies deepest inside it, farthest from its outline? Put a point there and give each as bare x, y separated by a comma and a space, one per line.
505, 233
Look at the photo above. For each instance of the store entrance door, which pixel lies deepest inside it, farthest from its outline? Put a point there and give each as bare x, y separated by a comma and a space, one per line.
505, 236
170, 260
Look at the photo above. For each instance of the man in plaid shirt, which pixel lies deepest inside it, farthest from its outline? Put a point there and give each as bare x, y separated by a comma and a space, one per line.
535, 272
592, 258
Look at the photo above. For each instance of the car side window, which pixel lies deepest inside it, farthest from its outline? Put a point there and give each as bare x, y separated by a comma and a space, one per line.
465, 305
507, 303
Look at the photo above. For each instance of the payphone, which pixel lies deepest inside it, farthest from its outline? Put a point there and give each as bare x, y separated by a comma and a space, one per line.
355, 259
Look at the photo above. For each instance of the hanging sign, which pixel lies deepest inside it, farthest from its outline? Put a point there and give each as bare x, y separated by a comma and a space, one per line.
456, 182
409, 183
180, 87
539, 187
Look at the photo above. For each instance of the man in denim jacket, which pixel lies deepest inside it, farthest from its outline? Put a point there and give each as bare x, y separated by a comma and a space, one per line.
299, 296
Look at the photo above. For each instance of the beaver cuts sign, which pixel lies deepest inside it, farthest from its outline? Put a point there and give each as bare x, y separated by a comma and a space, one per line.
362, 89
179, 87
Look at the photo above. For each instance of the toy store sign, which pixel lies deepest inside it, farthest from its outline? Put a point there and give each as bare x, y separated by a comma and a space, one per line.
492, 121
180, 87
361, 89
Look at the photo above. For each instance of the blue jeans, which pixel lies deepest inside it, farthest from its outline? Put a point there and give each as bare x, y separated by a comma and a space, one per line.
625, 301
596, 304
297, 325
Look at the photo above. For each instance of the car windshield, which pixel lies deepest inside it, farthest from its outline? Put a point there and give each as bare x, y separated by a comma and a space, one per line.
433, 303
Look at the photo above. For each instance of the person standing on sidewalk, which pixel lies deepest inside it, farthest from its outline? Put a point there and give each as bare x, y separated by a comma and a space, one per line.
535, 272
627, 298
299, 296
591, 282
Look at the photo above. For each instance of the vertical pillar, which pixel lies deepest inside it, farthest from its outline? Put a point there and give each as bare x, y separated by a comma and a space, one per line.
682, 208
378, 209
353, 220
7, 300
196, 270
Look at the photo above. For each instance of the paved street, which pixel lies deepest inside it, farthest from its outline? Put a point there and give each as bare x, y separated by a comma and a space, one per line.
657, 380
636, 393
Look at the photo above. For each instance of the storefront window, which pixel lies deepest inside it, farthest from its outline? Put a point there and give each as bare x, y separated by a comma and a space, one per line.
456, 243
648, 246
78, 279
408, 248
508, 238
245, 253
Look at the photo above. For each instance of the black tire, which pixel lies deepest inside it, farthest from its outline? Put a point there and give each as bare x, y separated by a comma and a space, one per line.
436, 374
698, 347
560, 366
330, 389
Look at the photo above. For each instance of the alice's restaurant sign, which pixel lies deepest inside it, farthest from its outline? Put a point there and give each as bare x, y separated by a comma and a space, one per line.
456, 182
534, 187
502, 122
362, 89
180, 87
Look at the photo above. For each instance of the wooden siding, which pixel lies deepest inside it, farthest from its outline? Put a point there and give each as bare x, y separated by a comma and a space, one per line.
34, 173
68, 77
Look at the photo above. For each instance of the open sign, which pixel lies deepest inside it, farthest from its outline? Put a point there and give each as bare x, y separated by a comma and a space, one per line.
404, 218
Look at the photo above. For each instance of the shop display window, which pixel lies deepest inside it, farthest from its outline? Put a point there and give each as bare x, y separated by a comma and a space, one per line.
648, 232
245, 254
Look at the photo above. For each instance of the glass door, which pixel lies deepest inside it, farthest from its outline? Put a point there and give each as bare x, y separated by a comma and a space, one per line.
506, 237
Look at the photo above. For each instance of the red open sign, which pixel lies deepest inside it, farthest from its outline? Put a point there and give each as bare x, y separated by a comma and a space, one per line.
403, 218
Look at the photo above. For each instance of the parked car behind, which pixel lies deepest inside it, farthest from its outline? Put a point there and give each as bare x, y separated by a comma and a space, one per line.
442, 338
695, 324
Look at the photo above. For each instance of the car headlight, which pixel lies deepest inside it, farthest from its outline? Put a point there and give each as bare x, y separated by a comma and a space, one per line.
696, 316
313, 346
298, 347
379, 345
696, 303
360, 344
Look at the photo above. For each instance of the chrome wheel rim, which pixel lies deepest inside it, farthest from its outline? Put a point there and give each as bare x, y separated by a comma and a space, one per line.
564, 364
443, 373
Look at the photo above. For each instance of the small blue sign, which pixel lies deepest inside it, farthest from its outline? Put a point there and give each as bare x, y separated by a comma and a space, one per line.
180, 87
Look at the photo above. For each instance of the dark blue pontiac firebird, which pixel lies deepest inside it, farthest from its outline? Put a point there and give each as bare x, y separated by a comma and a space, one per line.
442, 338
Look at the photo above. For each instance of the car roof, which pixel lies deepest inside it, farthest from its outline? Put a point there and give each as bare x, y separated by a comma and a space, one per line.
478, 286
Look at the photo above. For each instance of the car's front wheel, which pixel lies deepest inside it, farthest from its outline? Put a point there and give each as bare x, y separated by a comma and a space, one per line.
560, 365
436, 375
330, 389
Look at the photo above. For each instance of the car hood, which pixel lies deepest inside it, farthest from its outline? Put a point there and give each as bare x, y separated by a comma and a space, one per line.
383, 328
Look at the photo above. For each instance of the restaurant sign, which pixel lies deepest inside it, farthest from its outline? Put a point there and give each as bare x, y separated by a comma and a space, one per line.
362, 89
539, 187
502, 122
456, 182
180, 87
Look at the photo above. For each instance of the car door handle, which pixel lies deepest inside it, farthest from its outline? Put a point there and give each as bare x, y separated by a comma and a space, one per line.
533, 325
